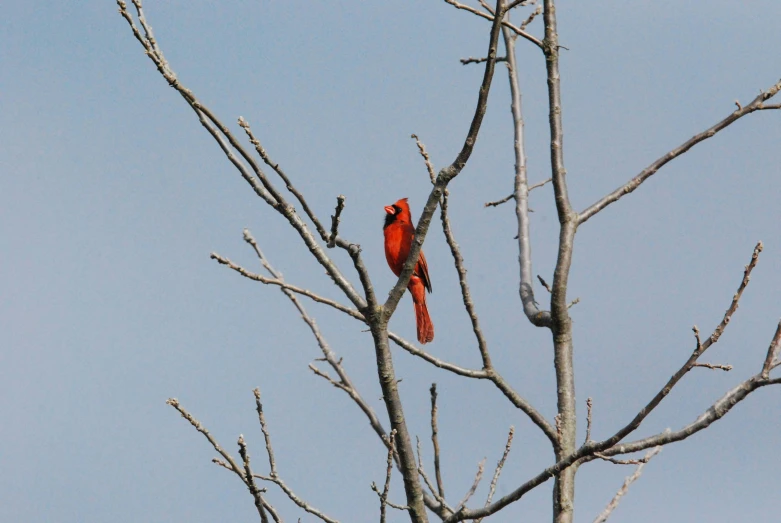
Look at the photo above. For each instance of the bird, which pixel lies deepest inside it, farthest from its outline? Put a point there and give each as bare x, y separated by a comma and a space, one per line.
399, 233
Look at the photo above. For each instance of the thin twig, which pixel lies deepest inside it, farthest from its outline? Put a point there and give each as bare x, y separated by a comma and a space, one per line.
473, 488
426, 158
589, 406
286, 286
472, 60
490, 374
200, 428
273, 475
335, 221
512, 195
531, 18
499, 202
602, 517
427, 480
516, 3
250, 480
435, 441
437, 362
772, 352
499, 467
288, 184
544, 283
615, 461
466, 295
388, 471
714, 366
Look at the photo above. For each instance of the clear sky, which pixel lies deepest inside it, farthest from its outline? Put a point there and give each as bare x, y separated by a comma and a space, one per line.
112, 196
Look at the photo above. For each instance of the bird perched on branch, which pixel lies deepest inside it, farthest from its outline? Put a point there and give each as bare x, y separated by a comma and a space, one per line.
399, 233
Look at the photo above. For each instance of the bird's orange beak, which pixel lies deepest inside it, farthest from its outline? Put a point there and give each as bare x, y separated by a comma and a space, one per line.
389, 209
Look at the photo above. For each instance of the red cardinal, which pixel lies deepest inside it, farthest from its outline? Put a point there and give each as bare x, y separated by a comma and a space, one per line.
399, 233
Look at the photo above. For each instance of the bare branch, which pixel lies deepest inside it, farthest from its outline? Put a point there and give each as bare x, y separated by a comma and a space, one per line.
698, 351
335, 221
344, 383
499, 467
697, 337
288, 184
466, 296
521, 193
253, 175
609, 446
250, 480
490, 16
544, 284
615, 461
329, 379
473, 488
589, 406
497, 203
516, 3
273, 476
772, 352
531, 18
472, 60
427, 480
426, 159
511, 196
487, 7
264, 429
602, 517
287, 286
435, 441
712, 414
490, 374
389, 470
714, 366
768, 106
200, 428
437, 362
755, 105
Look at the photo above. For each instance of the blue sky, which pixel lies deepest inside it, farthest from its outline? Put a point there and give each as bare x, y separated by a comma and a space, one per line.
112, 196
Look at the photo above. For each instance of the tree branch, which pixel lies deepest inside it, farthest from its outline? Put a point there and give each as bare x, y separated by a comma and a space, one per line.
491, 17
605, 514
755, 105
228, 143
250, 480
698, 351
521, 191
499, 467
335, 221
284, 285
772, 352
466, 296
435, 441
473, 488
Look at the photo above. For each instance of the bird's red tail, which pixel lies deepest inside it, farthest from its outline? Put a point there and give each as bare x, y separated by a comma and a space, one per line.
423, 320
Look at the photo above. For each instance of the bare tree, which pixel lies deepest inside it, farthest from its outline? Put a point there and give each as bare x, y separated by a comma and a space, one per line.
425, 497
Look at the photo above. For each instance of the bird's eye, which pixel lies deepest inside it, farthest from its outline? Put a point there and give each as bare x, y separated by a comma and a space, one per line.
397, 209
